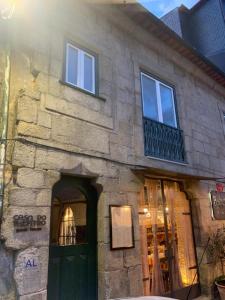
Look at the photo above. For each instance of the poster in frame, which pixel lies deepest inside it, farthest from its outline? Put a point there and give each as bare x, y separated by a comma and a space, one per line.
121, 227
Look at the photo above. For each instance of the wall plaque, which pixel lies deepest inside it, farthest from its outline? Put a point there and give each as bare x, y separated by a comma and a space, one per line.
31, 275
29, 222
218, 205
121, 227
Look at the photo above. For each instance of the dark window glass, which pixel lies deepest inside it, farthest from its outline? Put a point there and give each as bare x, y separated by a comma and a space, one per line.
149, 98
72, 65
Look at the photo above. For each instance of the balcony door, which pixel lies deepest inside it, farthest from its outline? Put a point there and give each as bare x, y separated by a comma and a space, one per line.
162, 136
167, 245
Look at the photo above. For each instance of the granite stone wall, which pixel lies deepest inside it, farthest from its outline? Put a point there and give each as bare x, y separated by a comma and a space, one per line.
55, 129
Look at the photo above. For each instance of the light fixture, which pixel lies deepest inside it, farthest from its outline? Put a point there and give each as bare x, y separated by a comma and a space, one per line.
145, 210
7, 9
167, 209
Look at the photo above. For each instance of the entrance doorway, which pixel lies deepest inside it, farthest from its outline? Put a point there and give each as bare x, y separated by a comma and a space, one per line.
167, 245
72, 273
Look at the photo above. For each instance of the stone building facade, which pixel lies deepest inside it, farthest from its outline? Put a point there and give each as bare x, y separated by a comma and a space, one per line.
57, 131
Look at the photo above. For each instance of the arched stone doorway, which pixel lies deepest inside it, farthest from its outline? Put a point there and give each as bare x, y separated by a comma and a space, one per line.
73, 241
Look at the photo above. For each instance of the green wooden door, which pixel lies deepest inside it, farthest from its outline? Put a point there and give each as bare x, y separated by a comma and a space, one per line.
73, 251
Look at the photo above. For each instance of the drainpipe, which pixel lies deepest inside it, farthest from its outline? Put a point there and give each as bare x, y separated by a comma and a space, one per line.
4, 124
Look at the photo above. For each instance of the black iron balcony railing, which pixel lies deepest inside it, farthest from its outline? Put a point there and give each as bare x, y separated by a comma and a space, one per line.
163, 141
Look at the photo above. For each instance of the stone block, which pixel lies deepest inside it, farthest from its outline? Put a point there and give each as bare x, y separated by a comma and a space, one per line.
31, 93
56, 67
31, 270
30, 178
77, 111
78, 133
109, 260
49, 159
22, 197
16, 239
119, 152
6, 272
23, 155
32, 130
129, 182
119, 283
77, 96
103, 229
51, 178
132, 257
36, 296
30, 197
44, 119
55, 87
135, 280
44, 197
27, 110
104, 288
41, 62
198, 146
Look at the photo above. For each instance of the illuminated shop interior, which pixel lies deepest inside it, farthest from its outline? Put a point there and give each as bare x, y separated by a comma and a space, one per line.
167, 246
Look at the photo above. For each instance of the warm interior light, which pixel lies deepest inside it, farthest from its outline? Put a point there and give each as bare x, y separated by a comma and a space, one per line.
167, 209
145, 210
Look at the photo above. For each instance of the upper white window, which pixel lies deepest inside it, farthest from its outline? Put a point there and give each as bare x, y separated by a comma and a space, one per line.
158, 101
80, 68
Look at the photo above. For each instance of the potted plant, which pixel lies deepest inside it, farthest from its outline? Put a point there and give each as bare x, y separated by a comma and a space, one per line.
216, 253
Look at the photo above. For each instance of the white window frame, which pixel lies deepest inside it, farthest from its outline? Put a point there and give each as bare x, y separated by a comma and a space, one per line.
80, 68
159, 100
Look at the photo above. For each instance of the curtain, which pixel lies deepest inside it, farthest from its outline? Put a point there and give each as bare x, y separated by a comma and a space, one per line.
189, 251
67, 234
177, 281
157, 287
144, 258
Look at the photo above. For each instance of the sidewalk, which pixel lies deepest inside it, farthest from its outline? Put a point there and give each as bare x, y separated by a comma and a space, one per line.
202, 298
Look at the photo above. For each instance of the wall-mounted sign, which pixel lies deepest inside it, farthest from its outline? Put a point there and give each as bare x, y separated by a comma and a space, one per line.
219, 187
30, 263
29, 223
218, 205
121, 227
31, 273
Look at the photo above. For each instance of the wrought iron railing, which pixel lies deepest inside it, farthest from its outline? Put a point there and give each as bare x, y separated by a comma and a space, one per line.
163, 141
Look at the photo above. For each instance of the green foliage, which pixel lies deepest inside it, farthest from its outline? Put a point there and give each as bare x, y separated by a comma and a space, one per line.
220, 278
216, 247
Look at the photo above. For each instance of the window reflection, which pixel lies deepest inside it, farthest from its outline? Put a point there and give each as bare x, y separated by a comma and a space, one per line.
69, 218
67, 235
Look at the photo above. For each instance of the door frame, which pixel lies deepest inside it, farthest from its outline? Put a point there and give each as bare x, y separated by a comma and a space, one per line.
193, 290
84, 185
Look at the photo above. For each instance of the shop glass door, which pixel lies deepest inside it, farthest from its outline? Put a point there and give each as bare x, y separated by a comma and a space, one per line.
167, 245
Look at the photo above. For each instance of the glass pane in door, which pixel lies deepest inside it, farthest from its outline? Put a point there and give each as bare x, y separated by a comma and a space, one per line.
167, 245
155, 265
181, 236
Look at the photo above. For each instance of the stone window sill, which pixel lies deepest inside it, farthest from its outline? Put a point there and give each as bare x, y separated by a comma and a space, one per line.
81, 90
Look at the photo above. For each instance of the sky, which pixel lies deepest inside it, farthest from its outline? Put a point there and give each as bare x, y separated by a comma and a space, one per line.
161, 7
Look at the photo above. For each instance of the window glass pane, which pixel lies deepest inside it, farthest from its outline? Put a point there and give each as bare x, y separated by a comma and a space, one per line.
72, 65
68, 217
88, 73
167, 106
73, 225
149, 98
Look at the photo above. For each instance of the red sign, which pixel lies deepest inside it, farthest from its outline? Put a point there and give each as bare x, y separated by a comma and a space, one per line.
219, 187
